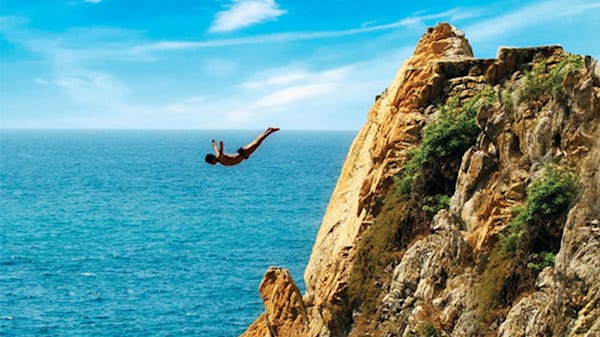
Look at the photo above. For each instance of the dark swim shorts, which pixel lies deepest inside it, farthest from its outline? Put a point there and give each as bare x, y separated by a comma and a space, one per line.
243, 153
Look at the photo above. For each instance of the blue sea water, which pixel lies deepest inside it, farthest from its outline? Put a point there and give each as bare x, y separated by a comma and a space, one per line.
130, 233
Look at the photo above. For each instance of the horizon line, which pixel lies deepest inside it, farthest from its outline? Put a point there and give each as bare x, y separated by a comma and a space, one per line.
166, 129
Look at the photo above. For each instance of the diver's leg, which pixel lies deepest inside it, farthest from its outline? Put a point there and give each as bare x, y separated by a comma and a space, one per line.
252, 146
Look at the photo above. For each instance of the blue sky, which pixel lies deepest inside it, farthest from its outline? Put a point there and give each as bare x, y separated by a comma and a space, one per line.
240, 64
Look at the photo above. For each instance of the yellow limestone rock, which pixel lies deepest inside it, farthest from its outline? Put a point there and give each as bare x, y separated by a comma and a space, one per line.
285, 312
437, 278
392, 128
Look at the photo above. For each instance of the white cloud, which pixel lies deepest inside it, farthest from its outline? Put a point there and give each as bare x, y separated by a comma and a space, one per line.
285, 88
294, 97
287, 78
102, 43
219, 66
91, 87
93, 1
452, 15
177, 108
41, 81
334, 98
368, 23
299, 95
186, 105
195, 99
243, 13
278, 77
280, 99
578, 9
532, 15
275, 77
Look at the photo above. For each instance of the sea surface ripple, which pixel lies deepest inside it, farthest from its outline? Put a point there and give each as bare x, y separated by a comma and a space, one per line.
130, 233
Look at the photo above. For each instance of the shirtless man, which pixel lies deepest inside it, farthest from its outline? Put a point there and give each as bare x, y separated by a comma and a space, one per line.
242, 153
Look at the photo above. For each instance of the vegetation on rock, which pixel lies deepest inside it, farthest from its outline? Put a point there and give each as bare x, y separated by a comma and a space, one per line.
546, 259
374, 255
536, 227
444, 141
528, 244
493, 288
424, 187
427, 329
546, 80
384, 265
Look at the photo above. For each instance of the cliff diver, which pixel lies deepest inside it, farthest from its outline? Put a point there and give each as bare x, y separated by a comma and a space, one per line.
242, 153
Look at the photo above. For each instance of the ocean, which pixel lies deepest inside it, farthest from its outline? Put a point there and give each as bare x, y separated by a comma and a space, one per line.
130, 233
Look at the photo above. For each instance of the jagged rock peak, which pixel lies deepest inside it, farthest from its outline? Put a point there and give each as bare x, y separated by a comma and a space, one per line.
384, 139
443, 41
284, 310
384, 265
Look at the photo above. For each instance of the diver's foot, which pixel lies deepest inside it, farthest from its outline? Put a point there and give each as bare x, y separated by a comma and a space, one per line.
272, 129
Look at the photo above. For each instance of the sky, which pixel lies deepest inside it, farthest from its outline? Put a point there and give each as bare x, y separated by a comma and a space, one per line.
241, 64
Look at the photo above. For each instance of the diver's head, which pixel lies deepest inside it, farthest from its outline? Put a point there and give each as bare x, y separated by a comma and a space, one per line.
211, 159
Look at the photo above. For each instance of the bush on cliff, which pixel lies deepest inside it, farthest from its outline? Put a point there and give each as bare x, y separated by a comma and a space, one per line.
443, 142
528, 244
537, 227
436, 203
426, 329
545, 80
539, 261
423, 188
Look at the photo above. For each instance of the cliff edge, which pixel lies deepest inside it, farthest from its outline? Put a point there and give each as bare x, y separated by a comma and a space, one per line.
468, 205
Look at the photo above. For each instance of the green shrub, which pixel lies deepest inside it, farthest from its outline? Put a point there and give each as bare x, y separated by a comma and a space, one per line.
528, 244
552, 194
507, 99
509, 241
544, 80
534, 85
404, 182
436, 203
424, 187
454, 131
427, 329
538, 223
541, 260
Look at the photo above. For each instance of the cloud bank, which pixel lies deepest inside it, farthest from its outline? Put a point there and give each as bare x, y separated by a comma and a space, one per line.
244, 13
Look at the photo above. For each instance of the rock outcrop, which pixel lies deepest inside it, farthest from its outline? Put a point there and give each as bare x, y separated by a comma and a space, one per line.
411, 265
285, 311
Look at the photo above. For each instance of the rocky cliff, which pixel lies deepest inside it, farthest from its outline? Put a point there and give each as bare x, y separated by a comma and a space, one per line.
468, 205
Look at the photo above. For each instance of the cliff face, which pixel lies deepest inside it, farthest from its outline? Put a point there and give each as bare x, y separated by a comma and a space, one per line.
468, 205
